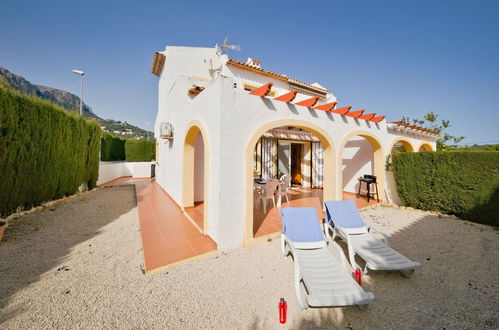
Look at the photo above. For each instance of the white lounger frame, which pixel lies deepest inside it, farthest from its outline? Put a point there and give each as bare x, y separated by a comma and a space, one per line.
291, 247
401, 263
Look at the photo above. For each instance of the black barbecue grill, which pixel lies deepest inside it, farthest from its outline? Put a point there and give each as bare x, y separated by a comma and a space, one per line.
369, 180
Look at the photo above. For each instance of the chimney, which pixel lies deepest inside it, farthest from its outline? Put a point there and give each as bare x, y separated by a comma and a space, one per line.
253, 62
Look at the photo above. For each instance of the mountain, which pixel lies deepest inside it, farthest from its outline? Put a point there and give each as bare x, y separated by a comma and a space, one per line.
71, 102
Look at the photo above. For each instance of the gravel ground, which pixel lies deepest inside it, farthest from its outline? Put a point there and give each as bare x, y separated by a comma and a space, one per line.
78, 264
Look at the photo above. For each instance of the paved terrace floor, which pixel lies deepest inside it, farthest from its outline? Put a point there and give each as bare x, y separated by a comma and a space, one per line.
168, 236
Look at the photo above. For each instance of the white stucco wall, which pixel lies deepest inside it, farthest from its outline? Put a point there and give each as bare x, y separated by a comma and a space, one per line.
230, 116
181, 110
358, 159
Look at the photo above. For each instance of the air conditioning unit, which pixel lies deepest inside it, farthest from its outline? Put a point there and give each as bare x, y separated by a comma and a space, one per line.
166, 130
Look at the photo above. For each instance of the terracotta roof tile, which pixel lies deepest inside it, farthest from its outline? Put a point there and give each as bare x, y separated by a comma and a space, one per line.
399, 123
157, 63
256, 69
291, 81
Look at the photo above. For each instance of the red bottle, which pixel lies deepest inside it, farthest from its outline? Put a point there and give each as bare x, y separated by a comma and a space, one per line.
283, 309
358, 276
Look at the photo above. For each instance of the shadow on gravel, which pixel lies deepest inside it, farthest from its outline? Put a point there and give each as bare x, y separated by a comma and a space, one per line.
38, 242
456, 286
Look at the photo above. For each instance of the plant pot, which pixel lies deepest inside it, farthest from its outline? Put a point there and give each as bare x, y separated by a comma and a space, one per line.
3, 226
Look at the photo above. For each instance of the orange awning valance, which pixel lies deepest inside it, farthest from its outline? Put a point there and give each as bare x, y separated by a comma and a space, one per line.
369, 116
342, 111
355, 114
326, 107
377, 119
262, 91
308, 102
288, 97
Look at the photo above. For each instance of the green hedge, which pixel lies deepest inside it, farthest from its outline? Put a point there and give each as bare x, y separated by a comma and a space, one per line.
462, 183
140, 150
112, 148
45, 152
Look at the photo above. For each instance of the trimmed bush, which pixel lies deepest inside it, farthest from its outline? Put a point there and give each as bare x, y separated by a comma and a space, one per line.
45, 151
112, 148
462, 183
140, 150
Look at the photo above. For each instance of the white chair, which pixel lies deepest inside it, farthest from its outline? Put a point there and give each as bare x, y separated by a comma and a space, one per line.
267, 191
343, 219
327, 279
284, 184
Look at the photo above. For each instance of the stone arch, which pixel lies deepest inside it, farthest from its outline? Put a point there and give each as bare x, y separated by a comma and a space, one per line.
188, 185
426, 146
379, 160
405, 142
329, 190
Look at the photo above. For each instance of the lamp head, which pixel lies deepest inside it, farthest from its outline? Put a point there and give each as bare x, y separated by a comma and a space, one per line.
81, 73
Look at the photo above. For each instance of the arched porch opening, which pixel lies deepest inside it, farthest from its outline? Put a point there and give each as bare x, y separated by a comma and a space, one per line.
195, 197
424, 147
360, 153
297, 149
400, 145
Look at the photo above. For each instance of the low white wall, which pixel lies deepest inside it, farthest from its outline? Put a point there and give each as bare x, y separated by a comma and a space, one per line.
141, 169
109, 171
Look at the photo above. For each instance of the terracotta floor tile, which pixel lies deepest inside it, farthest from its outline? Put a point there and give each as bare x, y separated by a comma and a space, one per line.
181, 254
165, 230
152, 247
192, 235
151, 237
196, 213
150, 225
204, 247
178, 244
156, 261
202, 240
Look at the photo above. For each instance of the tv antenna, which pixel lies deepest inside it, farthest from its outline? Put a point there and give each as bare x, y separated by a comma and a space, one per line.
225, 45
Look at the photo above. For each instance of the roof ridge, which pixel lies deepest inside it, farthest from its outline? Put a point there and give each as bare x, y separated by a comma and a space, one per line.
278, 75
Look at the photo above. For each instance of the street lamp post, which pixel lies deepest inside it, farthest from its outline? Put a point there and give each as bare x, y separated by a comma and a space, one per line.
81, 74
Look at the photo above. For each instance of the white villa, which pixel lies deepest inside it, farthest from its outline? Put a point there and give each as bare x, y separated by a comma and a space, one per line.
221, 123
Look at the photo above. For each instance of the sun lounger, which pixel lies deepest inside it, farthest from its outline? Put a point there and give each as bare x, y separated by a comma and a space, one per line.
343, 219
328, 282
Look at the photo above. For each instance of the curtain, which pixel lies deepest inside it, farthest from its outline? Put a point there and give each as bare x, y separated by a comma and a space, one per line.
267, 161
317, 165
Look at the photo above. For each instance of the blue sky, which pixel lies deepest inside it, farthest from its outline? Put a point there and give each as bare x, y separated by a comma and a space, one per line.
397, 58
